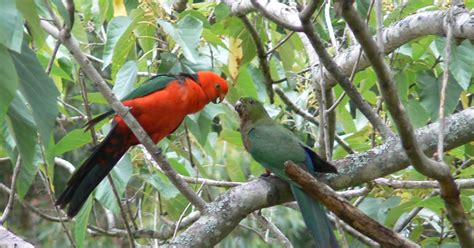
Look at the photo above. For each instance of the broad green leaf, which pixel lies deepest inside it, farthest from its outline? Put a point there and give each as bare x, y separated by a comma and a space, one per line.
161, 183
93, 97
28, 10
345, 119
125, 79
146, 33
213, 39
418, 115
121, 174
125, 43
80, 225
115, 30
39, 91
429, 90
8, 81
63, 12
186, 33
23, 129
11, 25
74, 139
234, 166
245, 84
232, 137
462, 61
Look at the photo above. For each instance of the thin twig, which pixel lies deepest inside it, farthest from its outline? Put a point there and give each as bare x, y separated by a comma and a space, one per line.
262, 58
309, 117
444, 87
279, 44
53, 56
11, 197
278, 234
47, 184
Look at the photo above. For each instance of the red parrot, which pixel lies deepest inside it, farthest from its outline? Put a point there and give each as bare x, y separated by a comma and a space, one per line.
159, 105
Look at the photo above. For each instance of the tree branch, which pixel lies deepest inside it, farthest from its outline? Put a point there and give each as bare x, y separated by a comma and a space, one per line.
222, 215
434, 169
344, 210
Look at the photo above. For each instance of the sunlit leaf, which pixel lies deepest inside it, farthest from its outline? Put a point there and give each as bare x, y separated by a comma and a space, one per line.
186, 33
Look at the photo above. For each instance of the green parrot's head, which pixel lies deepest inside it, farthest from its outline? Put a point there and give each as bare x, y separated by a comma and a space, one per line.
250, 109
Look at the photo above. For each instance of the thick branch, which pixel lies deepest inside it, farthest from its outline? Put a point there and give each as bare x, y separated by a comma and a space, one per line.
344, 210
222, 215
437, 170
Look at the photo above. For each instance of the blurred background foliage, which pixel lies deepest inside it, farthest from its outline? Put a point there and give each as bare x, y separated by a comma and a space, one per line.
42, 110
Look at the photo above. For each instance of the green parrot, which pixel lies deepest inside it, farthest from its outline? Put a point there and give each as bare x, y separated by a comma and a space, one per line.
271, 145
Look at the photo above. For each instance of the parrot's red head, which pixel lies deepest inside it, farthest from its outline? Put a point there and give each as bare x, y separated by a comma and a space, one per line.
214, 86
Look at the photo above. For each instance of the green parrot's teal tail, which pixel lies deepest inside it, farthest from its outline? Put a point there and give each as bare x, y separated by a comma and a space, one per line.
315, 218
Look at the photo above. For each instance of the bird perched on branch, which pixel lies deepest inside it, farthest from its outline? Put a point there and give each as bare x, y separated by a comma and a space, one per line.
272, 145
160, 105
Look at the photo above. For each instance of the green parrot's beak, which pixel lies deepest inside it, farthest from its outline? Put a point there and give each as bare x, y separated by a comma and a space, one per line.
238, 106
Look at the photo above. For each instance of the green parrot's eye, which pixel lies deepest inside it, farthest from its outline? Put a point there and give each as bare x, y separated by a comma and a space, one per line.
251, 101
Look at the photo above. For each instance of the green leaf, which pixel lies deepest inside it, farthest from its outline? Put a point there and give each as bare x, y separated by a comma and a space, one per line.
11, 25
93, 97
146, 32
186, 33
418, 115
23, 129
116, 28
8, 81
232, 137
125, 79
429, 90
210, 37
161, 183
121, 174
125, 43
28, 10
63, 12
39, 91
74, 139
80, 226
462, 61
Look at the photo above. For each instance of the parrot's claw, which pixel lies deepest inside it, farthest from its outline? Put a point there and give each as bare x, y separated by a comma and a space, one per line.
158, 152
266, 174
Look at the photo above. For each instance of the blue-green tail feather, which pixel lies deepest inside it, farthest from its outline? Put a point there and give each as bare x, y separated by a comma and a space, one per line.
315, 218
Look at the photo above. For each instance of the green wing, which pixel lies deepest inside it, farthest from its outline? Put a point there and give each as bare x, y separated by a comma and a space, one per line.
273, 145
157, 83
153, 84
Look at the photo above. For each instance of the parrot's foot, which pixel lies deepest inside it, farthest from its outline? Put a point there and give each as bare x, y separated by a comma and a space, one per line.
266, 174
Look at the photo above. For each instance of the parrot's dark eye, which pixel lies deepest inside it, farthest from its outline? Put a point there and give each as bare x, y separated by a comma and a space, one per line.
251, 101
217, 86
